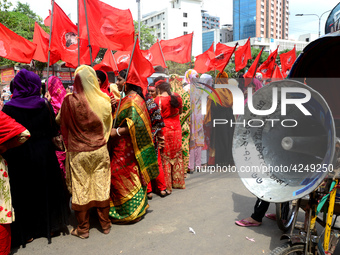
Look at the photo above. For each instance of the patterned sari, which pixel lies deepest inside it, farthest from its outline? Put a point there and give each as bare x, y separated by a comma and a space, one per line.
176, 86
133, 162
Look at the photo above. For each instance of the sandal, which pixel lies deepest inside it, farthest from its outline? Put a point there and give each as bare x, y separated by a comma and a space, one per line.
271, 216
74, 232
106, 231
164, 193
149, 196
245, 223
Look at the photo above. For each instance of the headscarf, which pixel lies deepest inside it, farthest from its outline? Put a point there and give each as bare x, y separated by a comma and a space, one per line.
71, 88
257, 84
176, 84
57, 93
258, 76
26, 92
189, 75
86, 119
102, 75
222, 78
207, 79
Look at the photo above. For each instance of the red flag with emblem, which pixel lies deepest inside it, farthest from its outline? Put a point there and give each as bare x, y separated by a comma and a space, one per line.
203, 61
64, 40
122, 59
109, 27
242, 55
108, 63
249, 75
140, 69
15, 47
178, 49
41, 39
287, 60
267, 67
277, 75
223, 54
154, 55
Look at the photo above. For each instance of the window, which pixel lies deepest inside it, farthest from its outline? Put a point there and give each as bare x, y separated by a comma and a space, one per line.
185, 15
159, 35
185, 33
151, 19
185, 24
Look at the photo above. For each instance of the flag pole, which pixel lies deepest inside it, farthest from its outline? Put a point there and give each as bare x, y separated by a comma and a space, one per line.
78, 35
162, 53
49, 46
69, 69
192, 38
88, 32
114, 59
127, 73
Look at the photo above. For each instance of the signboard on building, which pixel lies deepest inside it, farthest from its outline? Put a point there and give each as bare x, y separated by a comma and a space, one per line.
7, 75
65, 77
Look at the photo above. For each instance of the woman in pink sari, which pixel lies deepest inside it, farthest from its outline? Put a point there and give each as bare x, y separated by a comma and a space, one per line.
57, 93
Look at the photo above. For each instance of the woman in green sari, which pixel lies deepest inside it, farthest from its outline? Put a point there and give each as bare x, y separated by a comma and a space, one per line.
176, 87
133, 157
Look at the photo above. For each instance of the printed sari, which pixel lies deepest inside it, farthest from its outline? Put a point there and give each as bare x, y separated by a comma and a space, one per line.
176, 87
133, 162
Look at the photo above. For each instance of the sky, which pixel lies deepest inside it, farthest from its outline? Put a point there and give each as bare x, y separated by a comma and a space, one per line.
220, 8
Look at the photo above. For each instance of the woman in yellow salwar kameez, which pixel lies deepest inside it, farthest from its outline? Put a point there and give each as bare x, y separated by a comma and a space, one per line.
133, 156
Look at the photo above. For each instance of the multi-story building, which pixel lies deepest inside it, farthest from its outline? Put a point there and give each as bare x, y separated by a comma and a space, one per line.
260, 18
223, 35
181, 17
209, 22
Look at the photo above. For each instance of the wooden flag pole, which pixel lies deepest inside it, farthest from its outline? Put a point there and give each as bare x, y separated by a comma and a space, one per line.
49, 46
78, 34
162, 52
127, 73
88, 32
114, 59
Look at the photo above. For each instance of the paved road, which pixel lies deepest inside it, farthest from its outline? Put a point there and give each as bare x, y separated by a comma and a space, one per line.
210, 204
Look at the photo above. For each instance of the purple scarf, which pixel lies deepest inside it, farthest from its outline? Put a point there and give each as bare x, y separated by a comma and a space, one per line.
26, 91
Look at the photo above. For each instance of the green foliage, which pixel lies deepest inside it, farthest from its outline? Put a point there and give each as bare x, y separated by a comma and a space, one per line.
5, 5
147, 38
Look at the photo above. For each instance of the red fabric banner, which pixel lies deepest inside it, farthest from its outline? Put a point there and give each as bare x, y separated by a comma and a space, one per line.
154, 55
108, 63
64, 40
41, 39
15, 47
140, 69
287, 60
277, 75
222, 56
178, 49
203, 61
242, 55
109, 27
267, 67
252, 69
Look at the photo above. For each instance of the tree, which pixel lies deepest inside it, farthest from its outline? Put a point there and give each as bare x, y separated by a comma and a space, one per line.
147, 38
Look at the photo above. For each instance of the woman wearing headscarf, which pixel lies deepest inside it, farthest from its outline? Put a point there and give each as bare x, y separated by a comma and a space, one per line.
133, 156
103, 80
171, 155
221, 136
57, 93
36, 183
176, 87
196, 121
86, 122
12, 134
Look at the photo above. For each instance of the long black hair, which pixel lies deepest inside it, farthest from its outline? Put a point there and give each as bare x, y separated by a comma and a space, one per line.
133, 87
164, 86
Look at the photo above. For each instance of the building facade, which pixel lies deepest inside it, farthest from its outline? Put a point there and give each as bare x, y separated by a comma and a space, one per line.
261, 18
223, 35
181, 17
209, 22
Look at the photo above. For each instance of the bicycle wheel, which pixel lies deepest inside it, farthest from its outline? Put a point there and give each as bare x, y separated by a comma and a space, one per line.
288, 248
285, 214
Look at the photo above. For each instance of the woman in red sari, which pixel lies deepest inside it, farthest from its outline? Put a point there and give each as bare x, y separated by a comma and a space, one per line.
171, 107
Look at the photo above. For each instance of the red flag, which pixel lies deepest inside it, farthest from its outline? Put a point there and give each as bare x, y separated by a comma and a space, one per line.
267, 67
178, 49
109, 27
47, 20
122, 59
287, 60
154, 55
223, 54
41, 39
203, 61
277, 75
108, 63
15, 47
242, 55
252, 69
140, 69
64, 40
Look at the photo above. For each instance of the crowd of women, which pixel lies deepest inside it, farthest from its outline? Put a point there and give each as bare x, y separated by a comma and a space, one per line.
119, 148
